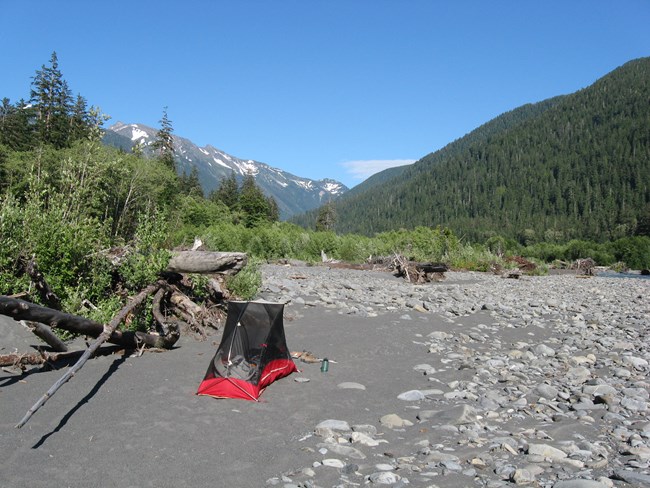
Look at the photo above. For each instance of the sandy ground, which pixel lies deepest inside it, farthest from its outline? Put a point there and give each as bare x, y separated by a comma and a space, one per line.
136, 421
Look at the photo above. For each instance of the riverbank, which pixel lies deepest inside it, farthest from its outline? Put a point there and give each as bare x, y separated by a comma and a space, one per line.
473, 381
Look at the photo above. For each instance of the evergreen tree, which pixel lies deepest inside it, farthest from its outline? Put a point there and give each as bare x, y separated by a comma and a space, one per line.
326, 217
228, 192
190, 183
274, 210
16, 131
52, 99
643, 224
79, 120
6, 109
255, 206
164, 142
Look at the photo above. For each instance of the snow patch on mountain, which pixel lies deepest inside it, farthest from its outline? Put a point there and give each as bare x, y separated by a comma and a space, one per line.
138, 133
293, 194
333, 188
306, 184
248, 168
220, 162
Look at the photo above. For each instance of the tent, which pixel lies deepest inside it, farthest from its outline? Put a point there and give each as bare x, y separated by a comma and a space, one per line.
253, 352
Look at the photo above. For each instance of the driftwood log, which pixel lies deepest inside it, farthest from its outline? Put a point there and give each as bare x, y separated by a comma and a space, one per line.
21, 360
169, 302
106, 333
206, 262
418, 272
228, 263
46, 334
22, 310
45, 292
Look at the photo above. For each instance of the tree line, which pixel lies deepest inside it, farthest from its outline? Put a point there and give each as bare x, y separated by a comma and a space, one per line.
78, 207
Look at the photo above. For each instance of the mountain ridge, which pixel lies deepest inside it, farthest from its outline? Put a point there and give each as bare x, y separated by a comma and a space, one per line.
293, 194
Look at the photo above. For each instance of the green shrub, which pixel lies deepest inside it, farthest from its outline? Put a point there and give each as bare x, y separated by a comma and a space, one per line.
353, 248
148, 258
246, 284
471, 258
633, 251
619, 267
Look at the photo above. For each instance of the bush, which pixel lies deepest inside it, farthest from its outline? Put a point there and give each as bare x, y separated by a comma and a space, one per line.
149, 257
633, 251
246, 284
64, 244
545, 251
420, 244
472, 258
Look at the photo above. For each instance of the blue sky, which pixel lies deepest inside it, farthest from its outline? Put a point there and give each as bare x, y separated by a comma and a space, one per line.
320, 88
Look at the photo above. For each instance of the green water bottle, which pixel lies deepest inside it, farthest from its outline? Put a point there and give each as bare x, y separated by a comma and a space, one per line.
324, 365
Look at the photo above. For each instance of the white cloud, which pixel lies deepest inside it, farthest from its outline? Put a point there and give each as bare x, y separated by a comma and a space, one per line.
360, 170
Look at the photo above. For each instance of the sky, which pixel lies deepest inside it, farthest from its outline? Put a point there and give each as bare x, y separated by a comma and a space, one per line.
319, 88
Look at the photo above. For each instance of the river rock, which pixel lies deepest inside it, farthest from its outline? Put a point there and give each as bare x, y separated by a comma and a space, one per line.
393, 421
334, 425
463, 414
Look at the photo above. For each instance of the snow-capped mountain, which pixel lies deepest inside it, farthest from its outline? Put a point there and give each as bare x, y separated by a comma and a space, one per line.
292, 193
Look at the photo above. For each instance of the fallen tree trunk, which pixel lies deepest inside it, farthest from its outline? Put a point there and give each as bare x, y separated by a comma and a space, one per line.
205, 262
196, 316
46, 334
45, 292
217, 291
28, 359
36, 358
22, 310
169, 326
103, 337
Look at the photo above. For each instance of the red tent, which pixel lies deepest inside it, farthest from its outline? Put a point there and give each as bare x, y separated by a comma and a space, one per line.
253, 352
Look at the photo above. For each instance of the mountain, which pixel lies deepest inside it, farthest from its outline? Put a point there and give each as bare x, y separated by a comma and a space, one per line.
382, 182
292, 193
574, 166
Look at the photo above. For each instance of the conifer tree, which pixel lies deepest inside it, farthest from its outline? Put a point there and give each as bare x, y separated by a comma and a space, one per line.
255, 206
52, 99
274, 210
228, 192
190, 183
643, 224
79, 119
16, 131
164, 142
326, 217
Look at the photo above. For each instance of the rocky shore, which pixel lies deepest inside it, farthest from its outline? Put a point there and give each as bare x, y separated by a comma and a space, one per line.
541, 381
475, 381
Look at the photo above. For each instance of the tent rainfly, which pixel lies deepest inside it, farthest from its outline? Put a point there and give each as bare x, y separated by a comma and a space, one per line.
253, 352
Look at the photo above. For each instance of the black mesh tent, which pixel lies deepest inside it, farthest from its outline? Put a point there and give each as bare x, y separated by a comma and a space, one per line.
253, 352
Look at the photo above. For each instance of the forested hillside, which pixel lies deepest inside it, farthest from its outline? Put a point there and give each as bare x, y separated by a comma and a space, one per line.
388, 176
576, 166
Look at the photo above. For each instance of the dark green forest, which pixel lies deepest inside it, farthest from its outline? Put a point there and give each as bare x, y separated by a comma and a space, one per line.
572, 167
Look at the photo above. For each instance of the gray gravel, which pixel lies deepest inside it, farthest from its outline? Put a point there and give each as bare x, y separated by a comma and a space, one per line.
474, 381
540, 381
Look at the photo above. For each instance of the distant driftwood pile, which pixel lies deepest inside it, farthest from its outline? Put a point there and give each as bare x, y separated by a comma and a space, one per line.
416, 272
